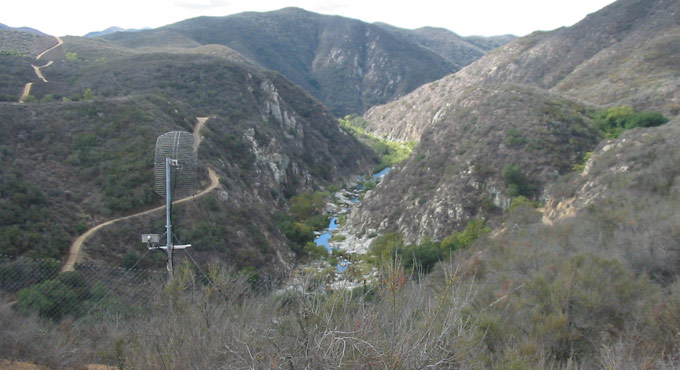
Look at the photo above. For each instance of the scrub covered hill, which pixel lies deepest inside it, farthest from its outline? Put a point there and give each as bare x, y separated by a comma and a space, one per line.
623, 54
450, 118
81, 150
347, 64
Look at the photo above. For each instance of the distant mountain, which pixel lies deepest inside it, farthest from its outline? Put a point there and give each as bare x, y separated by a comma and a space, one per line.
348, 64
22, 29
527, 104
111, 30
459, 51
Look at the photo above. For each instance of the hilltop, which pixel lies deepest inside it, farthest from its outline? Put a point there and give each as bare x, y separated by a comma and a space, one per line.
347, 64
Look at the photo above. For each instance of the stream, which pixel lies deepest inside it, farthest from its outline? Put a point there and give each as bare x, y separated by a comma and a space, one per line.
349, 198
334, 238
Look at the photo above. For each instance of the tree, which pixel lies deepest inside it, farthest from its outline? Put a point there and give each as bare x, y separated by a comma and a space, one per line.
517, 183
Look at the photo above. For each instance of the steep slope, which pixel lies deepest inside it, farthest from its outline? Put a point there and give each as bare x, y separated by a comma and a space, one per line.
569, 63
596, 282
456, 172
625, 53
83, 154
632, 180
348, 64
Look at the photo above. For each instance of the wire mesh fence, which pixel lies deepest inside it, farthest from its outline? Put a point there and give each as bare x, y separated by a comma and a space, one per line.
36, 286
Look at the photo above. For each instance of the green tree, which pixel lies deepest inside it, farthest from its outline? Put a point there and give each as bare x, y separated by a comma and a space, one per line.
88, 95
517, 183
384, 246
306, 205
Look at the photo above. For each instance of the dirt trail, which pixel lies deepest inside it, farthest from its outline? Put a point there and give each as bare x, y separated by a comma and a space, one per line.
38, 72
73, 256
59, 43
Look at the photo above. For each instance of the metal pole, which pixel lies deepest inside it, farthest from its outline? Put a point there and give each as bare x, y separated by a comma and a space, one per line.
168, 222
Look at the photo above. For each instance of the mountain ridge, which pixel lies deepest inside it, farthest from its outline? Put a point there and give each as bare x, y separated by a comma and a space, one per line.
545, 62
551, 60
348, 64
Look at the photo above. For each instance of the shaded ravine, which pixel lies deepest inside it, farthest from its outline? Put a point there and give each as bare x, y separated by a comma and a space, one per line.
74, 253
38, 72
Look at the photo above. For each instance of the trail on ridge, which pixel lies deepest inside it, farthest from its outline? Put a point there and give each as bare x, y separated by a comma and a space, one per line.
38, 72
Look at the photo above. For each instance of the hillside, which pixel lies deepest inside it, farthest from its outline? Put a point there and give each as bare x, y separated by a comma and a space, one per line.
455, 173
535, 225
347, 64
18, 50
22, 29
548, 62
82, 152
594, 278
623, 54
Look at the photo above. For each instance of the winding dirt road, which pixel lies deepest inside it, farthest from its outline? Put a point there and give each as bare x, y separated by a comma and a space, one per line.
74, 253
38, 72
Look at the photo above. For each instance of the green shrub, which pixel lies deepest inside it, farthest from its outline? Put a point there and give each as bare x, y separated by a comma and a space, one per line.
579, 167
614, 121
315, 251
462, 239
369, 185
517, 183
68, 294
306, 205
514, 138
383, 246
421, 257
521, 201
299, 234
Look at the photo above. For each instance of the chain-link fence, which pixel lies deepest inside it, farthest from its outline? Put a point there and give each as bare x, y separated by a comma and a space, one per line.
36, 286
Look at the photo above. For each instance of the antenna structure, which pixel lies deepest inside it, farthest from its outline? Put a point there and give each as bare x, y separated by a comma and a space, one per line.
174, 174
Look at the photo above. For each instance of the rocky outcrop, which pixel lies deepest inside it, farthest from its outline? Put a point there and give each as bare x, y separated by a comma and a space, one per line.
641, 165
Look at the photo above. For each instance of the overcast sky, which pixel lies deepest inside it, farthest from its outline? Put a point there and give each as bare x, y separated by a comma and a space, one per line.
464, 17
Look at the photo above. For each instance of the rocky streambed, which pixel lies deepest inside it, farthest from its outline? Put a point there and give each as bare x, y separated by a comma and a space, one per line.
345, 267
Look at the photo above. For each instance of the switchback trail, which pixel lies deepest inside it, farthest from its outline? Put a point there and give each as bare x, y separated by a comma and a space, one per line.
27, 88
73, 256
